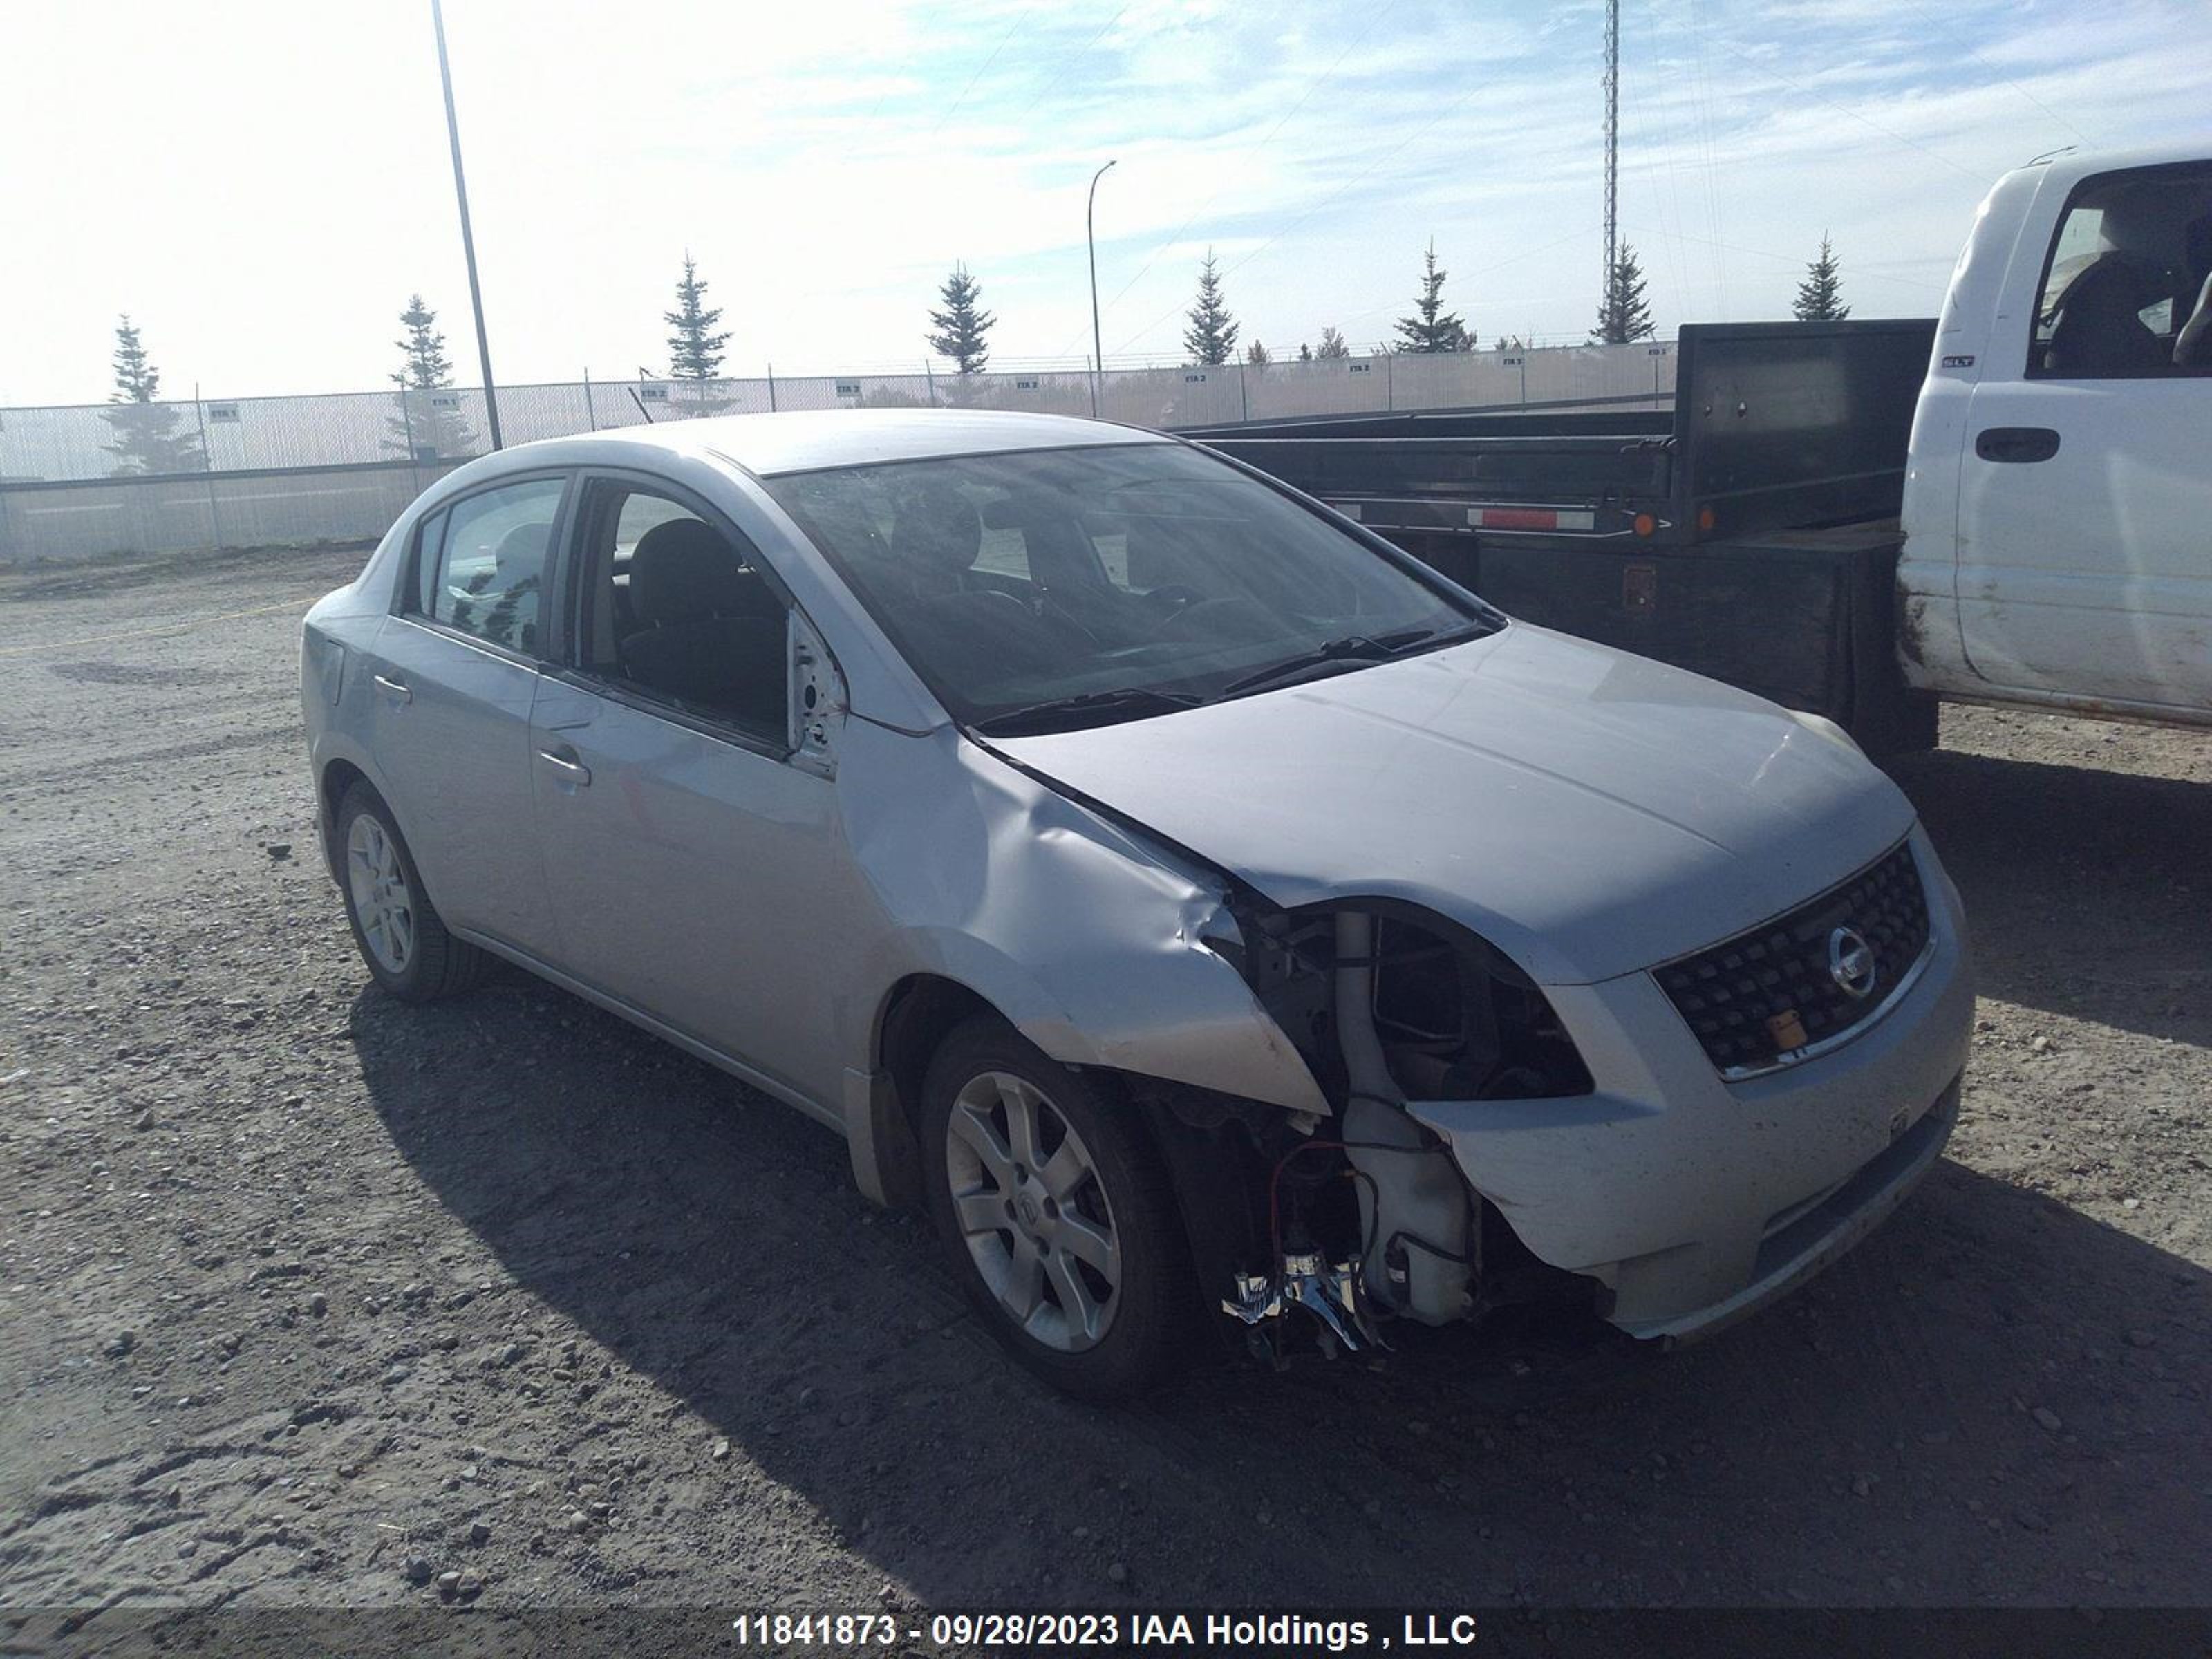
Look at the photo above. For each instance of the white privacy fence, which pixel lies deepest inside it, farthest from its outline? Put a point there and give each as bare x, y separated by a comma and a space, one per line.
244, 472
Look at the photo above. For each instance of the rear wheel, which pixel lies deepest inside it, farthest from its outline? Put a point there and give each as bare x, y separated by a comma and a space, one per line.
1055, 1213
400, 934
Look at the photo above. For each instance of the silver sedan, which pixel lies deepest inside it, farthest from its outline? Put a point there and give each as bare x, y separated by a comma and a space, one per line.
1196, 905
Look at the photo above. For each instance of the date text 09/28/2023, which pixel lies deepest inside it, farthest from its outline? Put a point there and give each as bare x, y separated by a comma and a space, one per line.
1302, 1632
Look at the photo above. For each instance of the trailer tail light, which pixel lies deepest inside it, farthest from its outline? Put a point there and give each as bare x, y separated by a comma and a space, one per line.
1645, 523
1531, 518
1706, 517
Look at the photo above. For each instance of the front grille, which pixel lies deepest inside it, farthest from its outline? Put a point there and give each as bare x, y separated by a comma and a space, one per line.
1757, 999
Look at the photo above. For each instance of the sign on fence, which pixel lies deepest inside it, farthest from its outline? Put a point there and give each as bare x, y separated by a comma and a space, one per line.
222, 412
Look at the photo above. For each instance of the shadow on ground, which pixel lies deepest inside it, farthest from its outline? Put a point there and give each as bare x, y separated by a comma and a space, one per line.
2086, 891
1873, 1441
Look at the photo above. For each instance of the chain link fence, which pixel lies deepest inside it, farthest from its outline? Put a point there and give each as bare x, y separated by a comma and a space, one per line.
212, 471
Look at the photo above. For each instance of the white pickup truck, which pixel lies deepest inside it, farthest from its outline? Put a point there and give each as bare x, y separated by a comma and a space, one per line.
2058, 495
2012, 504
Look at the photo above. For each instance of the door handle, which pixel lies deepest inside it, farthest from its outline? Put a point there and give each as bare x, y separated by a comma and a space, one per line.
397, 689
574, 769
2017, 443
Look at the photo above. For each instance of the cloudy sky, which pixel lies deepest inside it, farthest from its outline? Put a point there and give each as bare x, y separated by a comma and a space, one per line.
261, 185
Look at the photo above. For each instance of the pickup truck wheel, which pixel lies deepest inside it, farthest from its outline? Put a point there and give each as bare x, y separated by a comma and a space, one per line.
1055, 1213
406, 946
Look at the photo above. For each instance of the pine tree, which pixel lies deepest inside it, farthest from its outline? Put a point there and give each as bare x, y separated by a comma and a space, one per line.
145, 442
136, 379
1820, 295
695, 350
1434, 329
424, 367
1305, 352
1211, 335
961, 331
429, 424
1332, 345
1624, 314
1256, 356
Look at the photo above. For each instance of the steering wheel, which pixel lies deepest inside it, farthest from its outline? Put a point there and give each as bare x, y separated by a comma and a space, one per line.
2192, 344
1171, 598
1232, 618
1051, 619
1055, 614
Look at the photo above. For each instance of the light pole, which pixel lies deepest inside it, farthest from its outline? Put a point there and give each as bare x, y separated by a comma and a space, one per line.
1091, 240
468, 239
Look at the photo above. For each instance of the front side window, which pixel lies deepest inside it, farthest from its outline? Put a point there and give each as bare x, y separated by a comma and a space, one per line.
482, 565
678, 612
1073, 586
2127, 286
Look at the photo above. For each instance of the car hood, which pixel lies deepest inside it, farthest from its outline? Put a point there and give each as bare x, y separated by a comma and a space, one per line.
1587, 812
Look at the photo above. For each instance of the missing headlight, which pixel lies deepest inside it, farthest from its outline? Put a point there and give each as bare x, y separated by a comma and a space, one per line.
1457, 1019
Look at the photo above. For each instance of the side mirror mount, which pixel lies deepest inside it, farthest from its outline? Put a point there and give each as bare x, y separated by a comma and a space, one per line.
815, 699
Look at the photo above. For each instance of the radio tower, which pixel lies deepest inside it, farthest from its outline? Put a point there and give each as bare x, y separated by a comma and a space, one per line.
1612, 144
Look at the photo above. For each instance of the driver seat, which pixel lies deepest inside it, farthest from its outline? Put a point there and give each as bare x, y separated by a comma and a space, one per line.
936, 535
711, 631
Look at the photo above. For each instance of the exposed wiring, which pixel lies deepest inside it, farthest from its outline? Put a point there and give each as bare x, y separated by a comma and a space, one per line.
1374, 1209
1402, 1236
1275, 1179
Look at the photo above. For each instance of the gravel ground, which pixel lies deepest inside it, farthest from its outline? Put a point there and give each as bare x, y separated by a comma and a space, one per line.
307, 1297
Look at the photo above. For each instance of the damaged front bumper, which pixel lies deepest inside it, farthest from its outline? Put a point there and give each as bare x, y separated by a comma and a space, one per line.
1693, 1201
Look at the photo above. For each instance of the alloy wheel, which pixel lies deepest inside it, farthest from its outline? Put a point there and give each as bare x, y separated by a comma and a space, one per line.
1033, 1212
376, 882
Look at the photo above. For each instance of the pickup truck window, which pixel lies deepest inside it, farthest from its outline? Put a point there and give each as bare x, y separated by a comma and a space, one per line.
2127, 279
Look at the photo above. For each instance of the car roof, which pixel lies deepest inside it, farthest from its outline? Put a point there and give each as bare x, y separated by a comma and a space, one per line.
807, 440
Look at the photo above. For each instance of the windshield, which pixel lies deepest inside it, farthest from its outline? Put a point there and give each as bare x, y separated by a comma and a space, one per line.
1073, 586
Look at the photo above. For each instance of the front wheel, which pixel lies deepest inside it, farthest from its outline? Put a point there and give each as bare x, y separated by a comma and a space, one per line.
1055, 1213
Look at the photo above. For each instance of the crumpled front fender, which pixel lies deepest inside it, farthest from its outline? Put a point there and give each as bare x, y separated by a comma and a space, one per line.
1088, 936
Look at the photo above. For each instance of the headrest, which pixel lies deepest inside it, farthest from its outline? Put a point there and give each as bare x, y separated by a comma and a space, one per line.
684, 569
2146, 222
936, 526
522, 546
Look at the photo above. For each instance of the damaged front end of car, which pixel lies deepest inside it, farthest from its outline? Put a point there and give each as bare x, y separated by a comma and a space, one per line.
1328, 1229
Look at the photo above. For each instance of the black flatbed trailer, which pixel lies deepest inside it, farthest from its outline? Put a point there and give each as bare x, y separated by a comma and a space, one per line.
1750, 533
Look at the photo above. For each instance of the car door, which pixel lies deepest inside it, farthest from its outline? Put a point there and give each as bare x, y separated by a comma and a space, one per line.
2085, 505
457, 670
697, 866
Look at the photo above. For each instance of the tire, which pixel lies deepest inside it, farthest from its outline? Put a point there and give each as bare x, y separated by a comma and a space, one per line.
395, 927
1110, 1294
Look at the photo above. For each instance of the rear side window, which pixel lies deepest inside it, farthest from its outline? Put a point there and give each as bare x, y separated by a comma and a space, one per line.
2127, 284
482, 566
